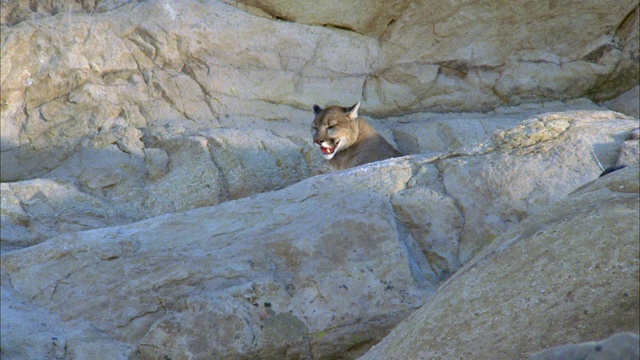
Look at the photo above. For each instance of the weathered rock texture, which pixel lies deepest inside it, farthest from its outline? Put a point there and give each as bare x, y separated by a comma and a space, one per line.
124, 74
101, 185
564, 275
627, 103
118, 111
364, 17
16, 11
489, 54
622, 346
323, 268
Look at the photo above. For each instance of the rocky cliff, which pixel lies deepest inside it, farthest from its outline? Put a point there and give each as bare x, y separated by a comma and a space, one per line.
161, 196
565, 275
323, 268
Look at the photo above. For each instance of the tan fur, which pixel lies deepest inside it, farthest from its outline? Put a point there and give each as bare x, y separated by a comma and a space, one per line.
347, 139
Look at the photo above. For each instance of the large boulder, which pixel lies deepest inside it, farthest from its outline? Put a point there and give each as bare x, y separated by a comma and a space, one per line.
35, 210
297, 272
563, 275
461, 56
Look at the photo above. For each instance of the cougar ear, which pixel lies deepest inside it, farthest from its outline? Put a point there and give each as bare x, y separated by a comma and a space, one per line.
352, 112
316, 109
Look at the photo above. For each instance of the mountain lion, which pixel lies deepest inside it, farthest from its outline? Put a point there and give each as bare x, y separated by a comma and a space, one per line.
347, 140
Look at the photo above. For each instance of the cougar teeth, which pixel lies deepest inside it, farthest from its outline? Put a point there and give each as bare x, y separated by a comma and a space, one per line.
327, 150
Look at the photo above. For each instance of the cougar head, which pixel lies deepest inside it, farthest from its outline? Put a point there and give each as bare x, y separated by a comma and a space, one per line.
335, 128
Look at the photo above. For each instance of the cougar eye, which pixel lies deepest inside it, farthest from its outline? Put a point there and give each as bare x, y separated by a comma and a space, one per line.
330, 127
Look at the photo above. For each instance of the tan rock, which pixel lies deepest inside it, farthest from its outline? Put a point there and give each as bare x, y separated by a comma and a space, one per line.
156, 162
16, 11
29, 332
363, 17
627, 103
36, 210
439, 55
259, 265
436, 224
255, 261
150, 64
630, 150
151, 73
256, 161
626, 73
567, 274
191, 179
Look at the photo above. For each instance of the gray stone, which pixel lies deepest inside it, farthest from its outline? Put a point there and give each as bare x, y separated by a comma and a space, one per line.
436, 224
627, 103
144, 110
621, 346
35, 210
565, 274
153, 63
192, 178
156, 162
450, 56
258, 265
345, 255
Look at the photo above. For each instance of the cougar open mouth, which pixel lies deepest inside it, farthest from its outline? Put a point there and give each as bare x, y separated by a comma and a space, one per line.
327, 151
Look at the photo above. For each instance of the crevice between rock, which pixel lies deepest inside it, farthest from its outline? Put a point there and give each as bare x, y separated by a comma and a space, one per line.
418, 264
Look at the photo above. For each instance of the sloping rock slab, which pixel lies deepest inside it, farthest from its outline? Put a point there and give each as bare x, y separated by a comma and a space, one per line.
568, 274
315, 270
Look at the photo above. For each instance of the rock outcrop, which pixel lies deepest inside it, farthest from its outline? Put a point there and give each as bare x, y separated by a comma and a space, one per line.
563, 275
497, 54
439, 55
161, 196
101, 185
125, 72
324, 267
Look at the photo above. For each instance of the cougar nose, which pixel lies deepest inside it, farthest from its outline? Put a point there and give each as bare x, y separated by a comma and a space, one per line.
319, 141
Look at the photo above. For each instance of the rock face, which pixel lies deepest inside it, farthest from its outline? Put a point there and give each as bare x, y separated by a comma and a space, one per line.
626, 103
101, 185
567, 274
363, 17
323, 268
156, 107
249, 284
159, 179
158, 78
497, 54
35, 210
126, 73
622, 346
